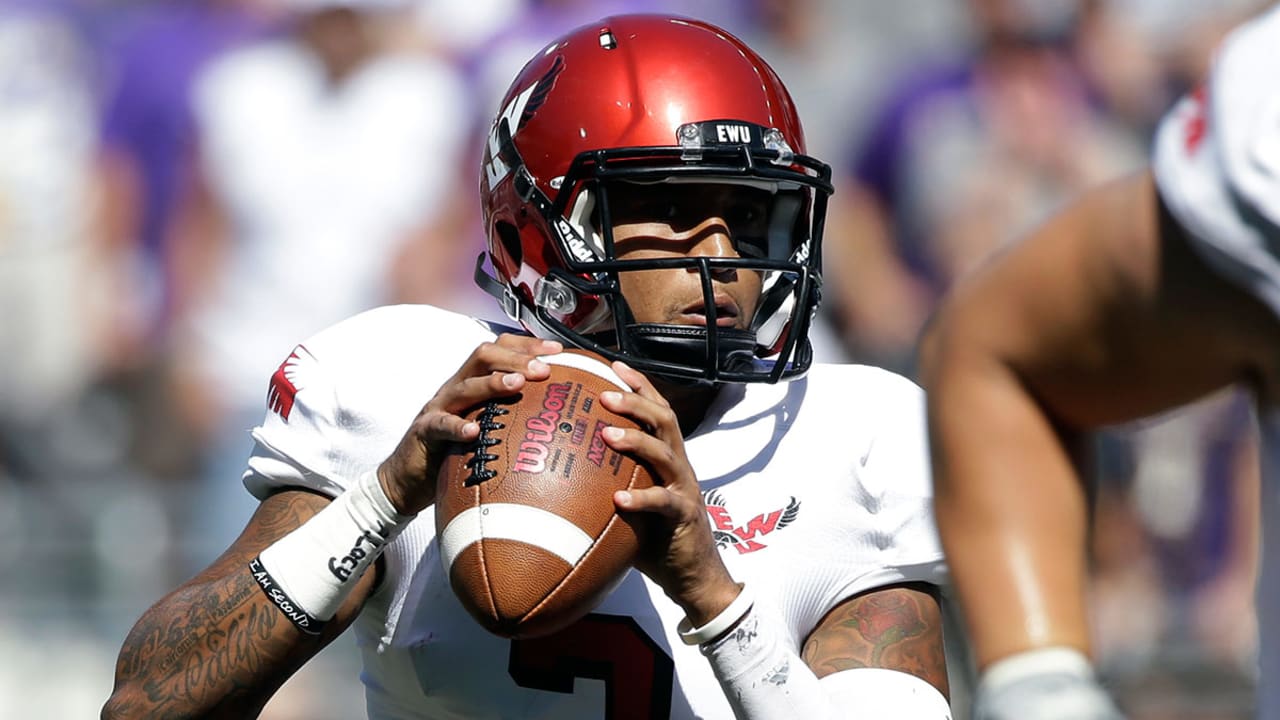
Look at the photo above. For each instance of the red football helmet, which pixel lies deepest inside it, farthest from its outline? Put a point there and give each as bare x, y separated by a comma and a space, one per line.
651, 99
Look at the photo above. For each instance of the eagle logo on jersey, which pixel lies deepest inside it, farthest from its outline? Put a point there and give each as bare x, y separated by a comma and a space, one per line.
743, 537
286, 381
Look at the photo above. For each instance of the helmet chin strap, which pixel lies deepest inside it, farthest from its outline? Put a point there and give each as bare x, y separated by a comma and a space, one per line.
687, 345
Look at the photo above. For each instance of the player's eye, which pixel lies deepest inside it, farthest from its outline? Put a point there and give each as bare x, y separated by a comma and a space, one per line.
747, 218
664, 209
645, 205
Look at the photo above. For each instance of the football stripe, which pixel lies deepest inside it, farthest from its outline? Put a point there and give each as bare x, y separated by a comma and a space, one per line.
511, 521
586, 364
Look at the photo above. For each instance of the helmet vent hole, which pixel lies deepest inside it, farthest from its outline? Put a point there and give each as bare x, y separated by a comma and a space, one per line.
607, 40
510, 238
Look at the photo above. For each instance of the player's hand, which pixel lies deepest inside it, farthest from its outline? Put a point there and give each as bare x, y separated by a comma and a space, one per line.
494, 369
680, 554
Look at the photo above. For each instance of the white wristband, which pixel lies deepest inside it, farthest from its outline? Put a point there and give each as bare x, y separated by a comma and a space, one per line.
310, 571
718, 624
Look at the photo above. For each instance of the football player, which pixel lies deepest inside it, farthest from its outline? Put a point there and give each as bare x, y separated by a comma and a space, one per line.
647, 196
1145, 294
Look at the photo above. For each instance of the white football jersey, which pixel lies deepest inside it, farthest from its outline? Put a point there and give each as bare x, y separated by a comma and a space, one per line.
817, 489
322, 185
1217, 160
1217, 164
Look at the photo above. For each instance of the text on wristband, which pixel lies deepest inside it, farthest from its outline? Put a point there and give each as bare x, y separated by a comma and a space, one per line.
342, 568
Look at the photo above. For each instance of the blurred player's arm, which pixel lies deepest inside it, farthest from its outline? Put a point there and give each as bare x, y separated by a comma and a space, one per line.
1103, 315
216, 646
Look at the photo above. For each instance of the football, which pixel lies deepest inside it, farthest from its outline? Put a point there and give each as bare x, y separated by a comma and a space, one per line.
525, 517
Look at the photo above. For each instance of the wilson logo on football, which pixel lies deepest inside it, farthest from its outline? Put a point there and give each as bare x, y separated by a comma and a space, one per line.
532, 455
743, 537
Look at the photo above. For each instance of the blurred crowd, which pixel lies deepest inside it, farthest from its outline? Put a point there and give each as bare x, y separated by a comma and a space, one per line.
189, 187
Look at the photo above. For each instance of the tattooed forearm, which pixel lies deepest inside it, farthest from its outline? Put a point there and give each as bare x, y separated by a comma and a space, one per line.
216, 646
206, 646
207, 612
225, 637
899, 628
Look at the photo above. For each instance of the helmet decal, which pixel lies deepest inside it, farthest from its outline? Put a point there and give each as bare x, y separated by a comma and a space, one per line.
524, 105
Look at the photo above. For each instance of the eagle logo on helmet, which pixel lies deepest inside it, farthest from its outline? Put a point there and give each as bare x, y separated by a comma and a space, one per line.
524, 105
541, 89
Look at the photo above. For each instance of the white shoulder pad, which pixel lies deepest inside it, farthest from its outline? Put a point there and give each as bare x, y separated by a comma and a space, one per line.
1217, 160
896, 482
341, 401
1245, 110
887, 441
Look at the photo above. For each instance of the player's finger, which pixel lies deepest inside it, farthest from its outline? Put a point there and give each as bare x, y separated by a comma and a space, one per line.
658, 500
509, 353
648, 413
639, 383
463, 394
638, 443
529, 345
439, 426
660, 456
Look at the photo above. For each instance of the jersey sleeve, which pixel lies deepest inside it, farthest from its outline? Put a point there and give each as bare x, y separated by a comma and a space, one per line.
341, 401
1216, 160
895, 478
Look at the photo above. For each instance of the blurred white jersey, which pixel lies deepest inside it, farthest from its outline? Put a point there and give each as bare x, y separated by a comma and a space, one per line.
322, 184
817, 490
1217, 160
1217, 164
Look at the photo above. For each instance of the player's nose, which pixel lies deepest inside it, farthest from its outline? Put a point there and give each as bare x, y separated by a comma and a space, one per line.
713, 239
714, 242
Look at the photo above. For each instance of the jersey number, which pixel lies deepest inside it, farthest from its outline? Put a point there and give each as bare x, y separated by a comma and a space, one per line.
637, 673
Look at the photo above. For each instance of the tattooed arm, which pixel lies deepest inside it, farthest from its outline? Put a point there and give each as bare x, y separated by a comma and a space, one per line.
898, 627
216, 647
